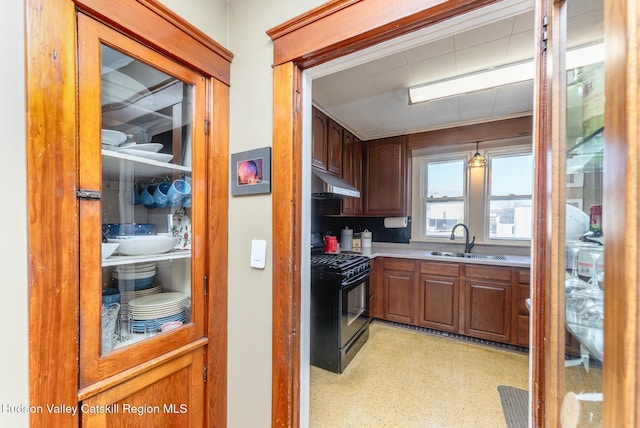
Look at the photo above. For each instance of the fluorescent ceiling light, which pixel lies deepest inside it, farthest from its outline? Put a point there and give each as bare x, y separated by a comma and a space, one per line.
472, 82
513, 73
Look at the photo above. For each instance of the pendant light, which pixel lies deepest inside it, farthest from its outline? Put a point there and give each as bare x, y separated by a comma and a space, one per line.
477, 159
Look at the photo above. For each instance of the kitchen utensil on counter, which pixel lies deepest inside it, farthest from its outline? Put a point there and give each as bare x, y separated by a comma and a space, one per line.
330, 244
366, 239
346, 239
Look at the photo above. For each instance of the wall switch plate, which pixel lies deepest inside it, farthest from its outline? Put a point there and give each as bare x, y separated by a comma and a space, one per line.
258, 253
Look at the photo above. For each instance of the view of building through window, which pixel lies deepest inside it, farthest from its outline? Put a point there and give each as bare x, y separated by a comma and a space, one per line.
508, 187
510, 206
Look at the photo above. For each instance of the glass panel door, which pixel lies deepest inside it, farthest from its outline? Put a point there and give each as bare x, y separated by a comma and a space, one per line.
581, 400
146, 200
142, 202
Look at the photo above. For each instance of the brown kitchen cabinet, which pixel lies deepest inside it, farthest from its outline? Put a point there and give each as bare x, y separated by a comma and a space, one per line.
326, 143
319, 138
522, 315
386, 172
487, 301
158, 346
478, 301
351, 171
439, 286
398, 288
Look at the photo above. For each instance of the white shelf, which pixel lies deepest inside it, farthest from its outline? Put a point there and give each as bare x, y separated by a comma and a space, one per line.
115, 163
116, 260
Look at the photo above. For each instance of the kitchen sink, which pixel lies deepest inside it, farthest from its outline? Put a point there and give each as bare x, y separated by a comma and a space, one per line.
447, 254
470, 255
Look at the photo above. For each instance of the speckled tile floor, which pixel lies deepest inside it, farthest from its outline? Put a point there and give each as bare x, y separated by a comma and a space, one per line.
404, 379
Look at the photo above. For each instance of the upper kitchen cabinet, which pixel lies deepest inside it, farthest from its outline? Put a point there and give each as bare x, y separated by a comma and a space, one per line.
327, 143
149, 161
386, 177
351, 171
319, 129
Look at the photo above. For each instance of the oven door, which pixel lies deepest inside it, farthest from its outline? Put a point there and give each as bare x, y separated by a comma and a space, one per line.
354, 307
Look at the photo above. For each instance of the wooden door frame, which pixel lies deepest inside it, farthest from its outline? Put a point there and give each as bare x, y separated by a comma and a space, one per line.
341, 27
330, 31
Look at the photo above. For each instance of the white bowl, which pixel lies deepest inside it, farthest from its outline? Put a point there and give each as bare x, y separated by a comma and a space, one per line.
144, 245
108, 249
113, 138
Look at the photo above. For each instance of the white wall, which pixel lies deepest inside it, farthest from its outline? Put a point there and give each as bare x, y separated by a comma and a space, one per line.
14, 380
250, 291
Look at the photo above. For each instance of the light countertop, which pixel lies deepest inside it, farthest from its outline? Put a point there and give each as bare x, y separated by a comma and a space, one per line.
421, 254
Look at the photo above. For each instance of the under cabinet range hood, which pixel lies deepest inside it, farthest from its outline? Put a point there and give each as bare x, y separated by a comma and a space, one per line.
325, 186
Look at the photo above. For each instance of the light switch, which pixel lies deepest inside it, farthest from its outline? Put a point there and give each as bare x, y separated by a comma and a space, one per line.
258, 253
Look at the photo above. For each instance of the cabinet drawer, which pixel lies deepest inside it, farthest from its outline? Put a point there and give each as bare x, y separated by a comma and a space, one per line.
398, 264
524, 276
494, 273
442, 269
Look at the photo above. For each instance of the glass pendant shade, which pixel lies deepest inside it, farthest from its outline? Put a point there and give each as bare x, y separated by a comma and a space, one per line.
477, 159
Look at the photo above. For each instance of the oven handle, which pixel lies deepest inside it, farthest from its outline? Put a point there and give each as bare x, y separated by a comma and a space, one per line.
357, 279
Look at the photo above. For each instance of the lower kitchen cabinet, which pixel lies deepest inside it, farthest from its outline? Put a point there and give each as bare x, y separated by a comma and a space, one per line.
488, 302
398, 290
438, 294
522, 315
481, 301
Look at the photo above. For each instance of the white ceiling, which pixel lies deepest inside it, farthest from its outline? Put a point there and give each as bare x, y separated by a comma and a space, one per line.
371, 99
367, 92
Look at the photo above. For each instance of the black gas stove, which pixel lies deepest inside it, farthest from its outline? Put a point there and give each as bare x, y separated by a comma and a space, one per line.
339, 306
345, 265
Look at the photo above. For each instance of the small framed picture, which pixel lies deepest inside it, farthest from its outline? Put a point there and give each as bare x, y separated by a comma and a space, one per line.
251, 172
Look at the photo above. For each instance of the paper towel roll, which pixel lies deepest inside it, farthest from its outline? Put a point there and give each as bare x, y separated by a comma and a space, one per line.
395, 222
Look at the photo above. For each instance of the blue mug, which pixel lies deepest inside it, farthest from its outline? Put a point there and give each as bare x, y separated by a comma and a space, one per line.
161, 196
147, 198
136, 192
179, 190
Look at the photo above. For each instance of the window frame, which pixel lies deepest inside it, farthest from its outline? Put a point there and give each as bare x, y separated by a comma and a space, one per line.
490, 155
442, 158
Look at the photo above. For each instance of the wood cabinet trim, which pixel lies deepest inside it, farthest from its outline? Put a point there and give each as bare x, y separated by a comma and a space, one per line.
494, 130
165, 30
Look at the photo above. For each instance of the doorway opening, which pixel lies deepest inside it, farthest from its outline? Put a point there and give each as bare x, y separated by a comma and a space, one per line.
337, 73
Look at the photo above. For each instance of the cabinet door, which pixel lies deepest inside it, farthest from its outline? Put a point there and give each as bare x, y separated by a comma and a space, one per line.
142, 179
169, 395
352, 171
385, 174
334, 148
356, 175
522, 317
319, 139
439, 289
488, 310
398, 290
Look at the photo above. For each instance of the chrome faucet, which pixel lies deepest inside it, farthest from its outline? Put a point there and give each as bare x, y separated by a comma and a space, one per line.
467, 245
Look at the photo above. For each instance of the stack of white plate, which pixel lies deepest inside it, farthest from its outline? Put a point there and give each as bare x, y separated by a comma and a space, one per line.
137, 276
127, 296
158, 309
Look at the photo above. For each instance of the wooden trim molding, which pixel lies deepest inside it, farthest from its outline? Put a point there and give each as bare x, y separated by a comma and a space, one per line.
496, 130
52, 209
287, 254
539, 279
345, 26
165, 31
621, 225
